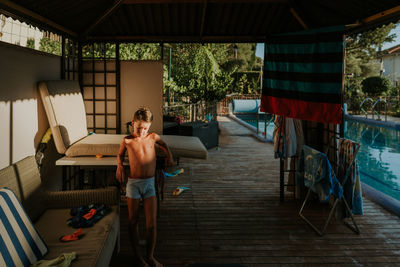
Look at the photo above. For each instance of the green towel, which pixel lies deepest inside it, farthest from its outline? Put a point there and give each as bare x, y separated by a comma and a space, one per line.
64, 260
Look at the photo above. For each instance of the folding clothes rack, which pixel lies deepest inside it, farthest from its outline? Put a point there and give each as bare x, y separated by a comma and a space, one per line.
342, 182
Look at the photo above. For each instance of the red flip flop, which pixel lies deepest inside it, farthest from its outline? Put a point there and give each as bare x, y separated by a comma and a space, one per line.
90, 214
72, 237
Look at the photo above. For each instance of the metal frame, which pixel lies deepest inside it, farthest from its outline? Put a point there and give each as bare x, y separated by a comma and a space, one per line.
323, 231
102, 60
353, 227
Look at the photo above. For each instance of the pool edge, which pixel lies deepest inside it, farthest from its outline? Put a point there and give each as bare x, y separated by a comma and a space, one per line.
389, 203
385, 124
251, 128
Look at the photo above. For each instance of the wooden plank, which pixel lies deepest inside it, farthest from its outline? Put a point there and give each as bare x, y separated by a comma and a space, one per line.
232, 214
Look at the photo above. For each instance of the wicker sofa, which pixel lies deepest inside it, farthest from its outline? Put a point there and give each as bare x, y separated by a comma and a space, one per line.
49, 211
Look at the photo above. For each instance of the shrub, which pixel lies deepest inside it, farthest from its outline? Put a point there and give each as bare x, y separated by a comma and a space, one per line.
30, 43
375, 86
50, 46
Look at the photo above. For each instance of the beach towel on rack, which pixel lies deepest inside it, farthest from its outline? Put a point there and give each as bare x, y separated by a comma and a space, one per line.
348, 170
315, 171
288, 137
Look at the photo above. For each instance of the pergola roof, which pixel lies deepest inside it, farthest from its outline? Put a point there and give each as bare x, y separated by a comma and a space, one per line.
196, 20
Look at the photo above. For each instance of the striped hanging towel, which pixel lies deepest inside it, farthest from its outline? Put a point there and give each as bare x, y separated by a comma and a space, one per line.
303, 75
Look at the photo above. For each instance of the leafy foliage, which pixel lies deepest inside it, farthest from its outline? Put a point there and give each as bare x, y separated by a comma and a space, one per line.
376, 85
197, 72
30, 43
50, 46
362, 48
209, 71
128, 51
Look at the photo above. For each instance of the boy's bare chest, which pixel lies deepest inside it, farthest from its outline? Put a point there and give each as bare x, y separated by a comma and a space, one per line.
145, 147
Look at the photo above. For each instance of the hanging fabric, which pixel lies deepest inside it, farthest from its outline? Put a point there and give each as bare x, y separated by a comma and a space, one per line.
303, 75
288, 137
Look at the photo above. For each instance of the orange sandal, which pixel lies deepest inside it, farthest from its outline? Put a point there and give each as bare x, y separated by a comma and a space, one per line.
75, 236
90, 214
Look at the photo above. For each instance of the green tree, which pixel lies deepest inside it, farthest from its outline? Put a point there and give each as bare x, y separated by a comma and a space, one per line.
243, 84
360, 62
127, 51
130, 51
376, 85
363, 48
197, 71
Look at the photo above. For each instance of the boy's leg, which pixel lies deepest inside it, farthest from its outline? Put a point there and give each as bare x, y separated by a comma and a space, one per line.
150, 211
133, 219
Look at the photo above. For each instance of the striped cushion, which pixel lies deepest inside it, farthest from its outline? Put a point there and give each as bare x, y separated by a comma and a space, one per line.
20, 243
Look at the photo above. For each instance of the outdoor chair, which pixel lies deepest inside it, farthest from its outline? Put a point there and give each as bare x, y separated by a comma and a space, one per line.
320, 177
65, 110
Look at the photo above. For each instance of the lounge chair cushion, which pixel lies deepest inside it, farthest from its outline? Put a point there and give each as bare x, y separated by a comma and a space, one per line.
65, 111
185, 146
95, 246
108, 145
104, 144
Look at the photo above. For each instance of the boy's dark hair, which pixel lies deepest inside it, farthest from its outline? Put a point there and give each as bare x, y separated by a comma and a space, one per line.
143, 114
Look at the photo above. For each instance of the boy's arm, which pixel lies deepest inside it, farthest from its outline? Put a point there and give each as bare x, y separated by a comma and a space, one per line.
120, 160
165, 148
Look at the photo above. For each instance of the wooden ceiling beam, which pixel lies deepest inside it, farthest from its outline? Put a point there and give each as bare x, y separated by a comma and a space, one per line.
389, 15
298, 14
383, 14
101, 18
203, 18
201, 1
180, 39
298, 18
14, 10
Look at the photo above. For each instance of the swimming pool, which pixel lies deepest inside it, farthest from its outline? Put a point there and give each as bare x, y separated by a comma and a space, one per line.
251, 119
379, 156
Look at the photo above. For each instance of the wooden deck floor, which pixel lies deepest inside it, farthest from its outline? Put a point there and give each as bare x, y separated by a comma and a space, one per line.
232, 214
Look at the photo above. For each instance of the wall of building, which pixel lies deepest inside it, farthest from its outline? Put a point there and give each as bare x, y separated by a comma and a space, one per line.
22, 116
391, 66
141, 85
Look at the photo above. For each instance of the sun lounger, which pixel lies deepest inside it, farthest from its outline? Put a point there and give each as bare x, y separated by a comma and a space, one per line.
64, 106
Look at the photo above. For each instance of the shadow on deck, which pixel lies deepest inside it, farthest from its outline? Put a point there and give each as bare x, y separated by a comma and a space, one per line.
232, 214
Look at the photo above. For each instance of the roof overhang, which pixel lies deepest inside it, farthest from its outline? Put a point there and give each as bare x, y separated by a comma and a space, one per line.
197, 20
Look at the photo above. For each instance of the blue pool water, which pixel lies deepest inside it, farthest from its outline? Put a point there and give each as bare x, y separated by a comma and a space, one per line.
379, 156
252, 120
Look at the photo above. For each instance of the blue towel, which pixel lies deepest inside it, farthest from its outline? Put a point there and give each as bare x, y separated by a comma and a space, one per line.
351, 178
316, 171
357, 208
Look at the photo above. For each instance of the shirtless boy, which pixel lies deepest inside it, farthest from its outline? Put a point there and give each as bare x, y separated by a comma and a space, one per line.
142, 162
